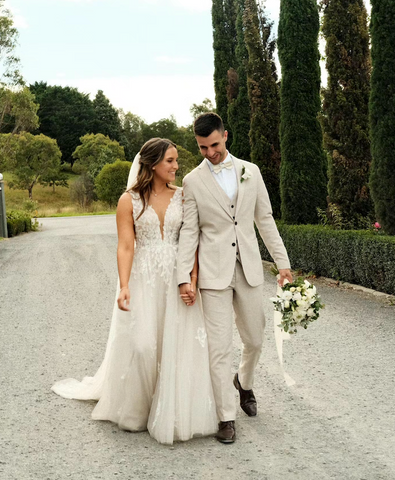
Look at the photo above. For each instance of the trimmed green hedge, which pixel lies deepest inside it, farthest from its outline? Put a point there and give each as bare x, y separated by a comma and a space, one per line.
354, 256
19, 222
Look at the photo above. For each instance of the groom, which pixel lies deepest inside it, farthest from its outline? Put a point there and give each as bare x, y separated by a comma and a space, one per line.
223, 197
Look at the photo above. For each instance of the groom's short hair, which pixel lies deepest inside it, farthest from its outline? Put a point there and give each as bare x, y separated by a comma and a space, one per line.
206, 123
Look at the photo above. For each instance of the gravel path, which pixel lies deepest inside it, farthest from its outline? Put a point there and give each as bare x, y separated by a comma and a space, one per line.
57, 289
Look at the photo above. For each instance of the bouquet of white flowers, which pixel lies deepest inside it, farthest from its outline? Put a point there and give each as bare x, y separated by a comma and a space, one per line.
299, 305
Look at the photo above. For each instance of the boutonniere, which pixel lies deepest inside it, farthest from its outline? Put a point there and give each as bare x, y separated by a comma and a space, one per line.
245, 174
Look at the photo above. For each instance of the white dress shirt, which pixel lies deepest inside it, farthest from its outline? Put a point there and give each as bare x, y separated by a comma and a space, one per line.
226, 178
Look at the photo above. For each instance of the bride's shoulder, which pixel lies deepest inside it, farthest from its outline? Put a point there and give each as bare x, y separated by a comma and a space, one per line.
125, 202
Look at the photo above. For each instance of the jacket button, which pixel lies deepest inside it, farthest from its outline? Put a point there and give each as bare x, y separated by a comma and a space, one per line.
233, 244
235, 223
232, 206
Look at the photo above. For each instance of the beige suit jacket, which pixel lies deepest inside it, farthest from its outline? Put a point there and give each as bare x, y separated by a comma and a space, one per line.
220, 227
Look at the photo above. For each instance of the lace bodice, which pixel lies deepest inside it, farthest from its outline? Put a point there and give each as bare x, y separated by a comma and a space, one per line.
154, 254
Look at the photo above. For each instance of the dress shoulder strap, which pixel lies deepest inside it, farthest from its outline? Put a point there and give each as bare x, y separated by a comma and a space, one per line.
136, 202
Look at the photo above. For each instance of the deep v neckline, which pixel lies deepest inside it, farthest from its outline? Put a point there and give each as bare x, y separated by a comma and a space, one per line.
162, 227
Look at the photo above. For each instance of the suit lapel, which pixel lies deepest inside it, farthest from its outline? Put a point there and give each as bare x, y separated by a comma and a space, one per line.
213, 187
240, 185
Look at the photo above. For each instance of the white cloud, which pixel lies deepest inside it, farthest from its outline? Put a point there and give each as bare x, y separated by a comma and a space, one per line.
152, 97
192, 5
19, 20
173, 60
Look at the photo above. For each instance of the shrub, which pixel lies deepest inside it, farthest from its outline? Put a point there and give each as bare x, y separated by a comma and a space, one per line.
82, 191
355, 256
111, 181
19, 222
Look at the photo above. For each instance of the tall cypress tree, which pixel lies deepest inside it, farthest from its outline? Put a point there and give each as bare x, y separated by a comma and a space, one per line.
345, 107
239, 110
224, 43
382, 112
303, 164
264, 99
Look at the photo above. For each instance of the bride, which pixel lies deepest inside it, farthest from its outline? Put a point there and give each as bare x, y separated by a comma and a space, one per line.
155, 373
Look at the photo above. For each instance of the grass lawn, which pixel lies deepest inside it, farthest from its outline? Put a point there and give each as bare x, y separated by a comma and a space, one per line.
50, 203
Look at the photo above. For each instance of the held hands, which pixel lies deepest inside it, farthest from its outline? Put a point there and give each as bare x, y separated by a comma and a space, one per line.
188, 293
285, 274
124, 299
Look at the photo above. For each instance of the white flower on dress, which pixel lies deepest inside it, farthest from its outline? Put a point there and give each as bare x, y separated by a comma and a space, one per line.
201, 336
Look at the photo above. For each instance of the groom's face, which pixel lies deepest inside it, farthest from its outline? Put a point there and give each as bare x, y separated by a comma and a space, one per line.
213, 147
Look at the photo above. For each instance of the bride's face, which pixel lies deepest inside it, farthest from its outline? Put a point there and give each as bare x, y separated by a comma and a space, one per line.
166, 169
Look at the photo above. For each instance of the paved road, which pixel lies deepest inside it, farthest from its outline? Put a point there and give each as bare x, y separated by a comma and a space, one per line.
57, 291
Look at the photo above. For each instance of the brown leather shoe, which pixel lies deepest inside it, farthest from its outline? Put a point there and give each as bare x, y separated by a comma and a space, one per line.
226, 432
247, 398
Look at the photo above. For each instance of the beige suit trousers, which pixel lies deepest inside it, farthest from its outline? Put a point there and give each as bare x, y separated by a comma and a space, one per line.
219, 307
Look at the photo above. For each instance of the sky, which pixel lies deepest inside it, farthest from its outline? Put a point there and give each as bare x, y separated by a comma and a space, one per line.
153, 58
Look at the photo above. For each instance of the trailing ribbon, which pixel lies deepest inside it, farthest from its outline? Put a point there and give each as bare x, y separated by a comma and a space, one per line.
280, 336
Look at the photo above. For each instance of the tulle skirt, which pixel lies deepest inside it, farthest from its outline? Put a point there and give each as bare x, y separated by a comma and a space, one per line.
155, 373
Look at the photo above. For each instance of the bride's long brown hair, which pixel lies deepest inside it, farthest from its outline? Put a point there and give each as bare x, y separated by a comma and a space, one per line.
151, 153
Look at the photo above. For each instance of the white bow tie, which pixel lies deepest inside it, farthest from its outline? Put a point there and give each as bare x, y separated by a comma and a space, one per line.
220, 166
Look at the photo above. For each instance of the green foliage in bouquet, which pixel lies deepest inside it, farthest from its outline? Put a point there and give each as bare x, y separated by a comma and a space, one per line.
299, 305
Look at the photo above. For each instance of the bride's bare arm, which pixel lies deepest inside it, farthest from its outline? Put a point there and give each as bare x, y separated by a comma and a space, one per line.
125, 251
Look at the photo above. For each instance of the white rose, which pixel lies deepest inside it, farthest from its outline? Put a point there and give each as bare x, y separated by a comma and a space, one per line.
310, 312
297, 296
292, 289
286, 304
287, 295
299, 289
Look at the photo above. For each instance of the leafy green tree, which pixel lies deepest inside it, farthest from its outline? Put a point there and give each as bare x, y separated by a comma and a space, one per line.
55, 178
345, 117
303, 183
382, 112
111, 182
204, 107
132, 134
263, 93
106, 119
239, 110
32, 158
18, 110
186, 163
96, 151
164, 128
224, 45
188, 141
65, 115
9, 74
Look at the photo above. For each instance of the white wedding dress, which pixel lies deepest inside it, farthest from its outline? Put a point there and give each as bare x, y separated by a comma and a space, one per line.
155, 374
